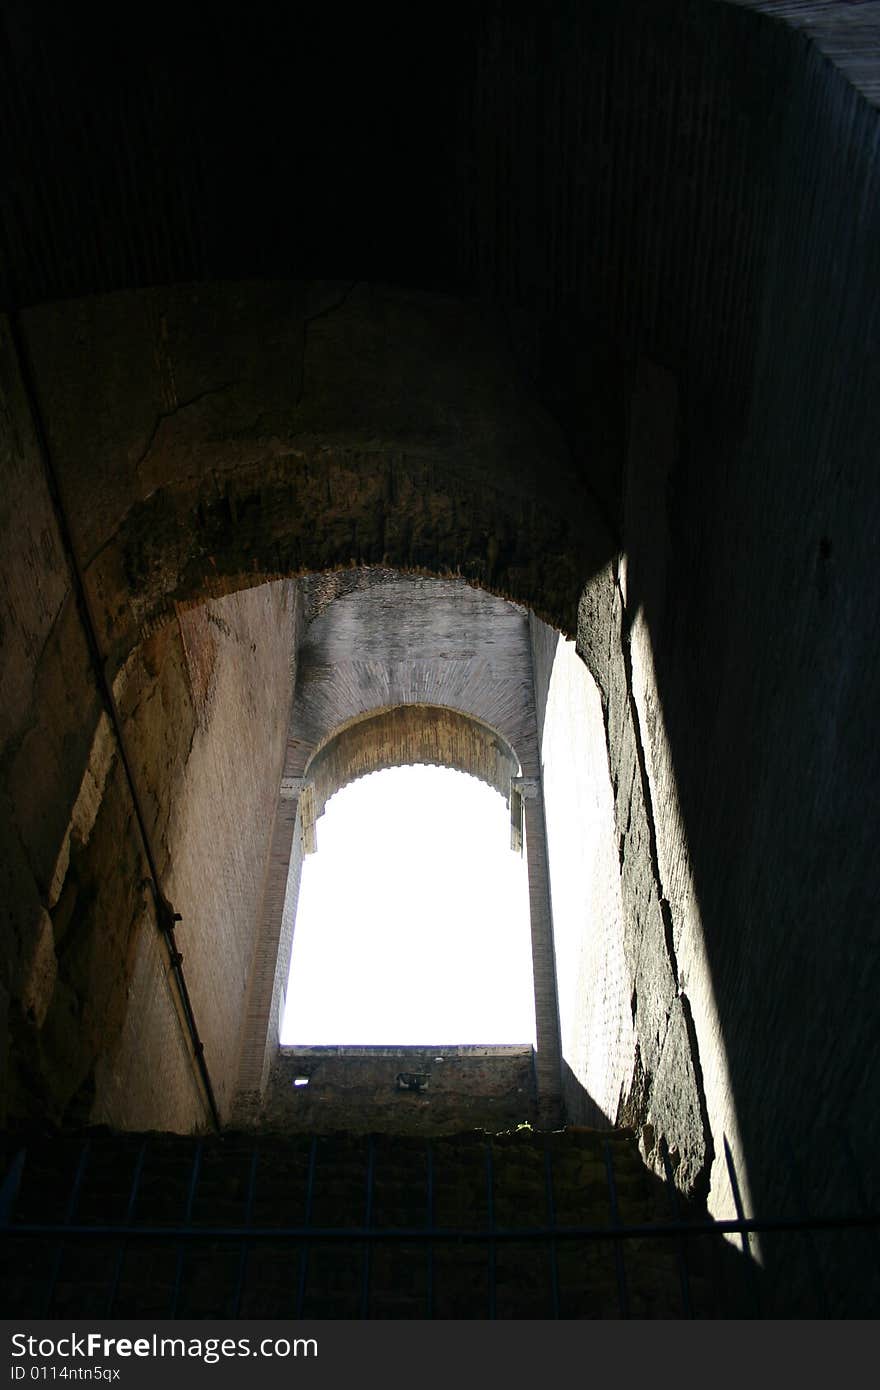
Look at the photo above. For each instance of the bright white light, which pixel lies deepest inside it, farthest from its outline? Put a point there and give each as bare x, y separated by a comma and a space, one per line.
413, 918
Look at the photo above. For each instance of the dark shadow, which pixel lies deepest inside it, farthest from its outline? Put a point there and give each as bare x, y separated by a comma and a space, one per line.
509, 1225
579, 1106
768, 681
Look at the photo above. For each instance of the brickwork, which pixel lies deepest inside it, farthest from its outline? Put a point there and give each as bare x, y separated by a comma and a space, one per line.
50, 732
847, 34
205, 723
358, 1088
215, 805
412, 640
598, 1044
408, 735
277, 482
273, 933
130, 1092
548, 1059
404, 670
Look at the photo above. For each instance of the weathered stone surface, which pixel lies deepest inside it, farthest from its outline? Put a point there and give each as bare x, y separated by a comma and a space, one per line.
665, 1095
207, 756
415, 641
357, 1088
90, 999
407, 735
677, 1108
245, 455
39, 986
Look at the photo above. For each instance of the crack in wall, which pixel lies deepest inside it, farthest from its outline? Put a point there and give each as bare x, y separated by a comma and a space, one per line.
338, 303
178, 409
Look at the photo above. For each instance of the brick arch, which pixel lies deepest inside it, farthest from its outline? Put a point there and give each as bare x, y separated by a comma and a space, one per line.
406, 735
209, 438
412, 640
403, 670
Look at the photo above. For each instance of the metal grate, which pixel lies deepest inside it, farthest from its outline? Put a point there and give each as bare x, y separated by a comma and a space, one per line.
303, 1236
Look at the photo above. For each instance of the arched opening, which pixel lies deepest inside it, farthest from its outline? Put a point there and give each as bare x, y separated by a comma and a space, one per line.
404, 639
412, 924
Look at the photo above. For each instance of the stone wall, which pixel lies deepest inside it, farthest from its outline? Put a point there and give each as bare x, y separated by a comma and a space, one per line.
207, 754
206, 439
407, 735
358, 1088
762, 611
94, 1024
595, 990
52, 736
405, 669
729, 734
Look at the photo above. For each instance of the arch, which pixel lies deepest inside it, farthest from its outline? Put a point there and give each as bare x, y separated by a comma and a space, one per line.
398, 670
296, 429
408, 734
409, 640
413, 869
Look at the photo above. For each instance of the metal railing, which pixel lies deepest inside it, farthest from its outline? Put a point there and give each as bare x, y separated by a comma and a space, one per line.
677, 1230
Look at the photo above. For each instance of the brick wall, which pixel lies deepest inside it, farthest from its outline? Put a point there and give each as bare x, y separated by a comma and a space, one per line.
357, 1088
208, 755
444, 673
594, 983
